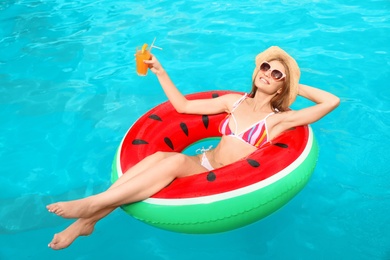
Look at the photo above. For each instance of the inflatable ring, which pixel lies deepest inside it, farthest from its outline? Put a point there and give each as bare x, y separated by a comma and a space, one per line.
223, 199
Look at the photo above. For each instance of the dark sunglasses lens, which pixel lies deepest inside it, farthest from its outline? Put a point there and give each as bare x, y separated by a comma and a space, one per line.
265, 66
276, 74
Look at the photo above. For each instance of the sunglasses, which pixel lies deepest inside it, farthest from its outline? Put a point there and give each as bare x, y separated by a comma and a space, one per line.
275, 74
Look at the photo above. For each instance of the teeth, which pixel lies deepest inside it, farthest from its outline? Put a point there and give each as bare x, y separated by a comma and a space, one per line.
264, 80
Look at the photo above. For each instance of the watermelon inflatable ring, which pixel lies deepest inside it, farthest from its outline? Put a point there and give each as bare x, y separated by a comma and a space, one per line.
223, 199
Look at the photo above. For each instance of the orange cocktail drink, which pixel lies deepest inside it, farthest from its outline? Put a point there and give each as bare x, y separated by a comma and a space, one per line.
140, 56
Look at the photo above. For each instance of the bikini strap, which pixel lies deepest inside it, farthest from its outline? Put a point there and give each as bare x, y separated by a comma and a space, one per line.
238, 102
265, 123
270, 114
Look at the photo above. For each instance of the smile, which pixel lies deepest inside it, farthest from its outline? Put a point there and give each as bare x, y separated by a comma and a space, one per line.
264, 80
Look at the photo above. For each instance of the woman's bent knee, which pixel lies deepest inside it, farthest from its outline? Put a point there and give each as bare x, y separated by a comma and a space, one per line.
179, 159
158, 157
161, 155
182, 165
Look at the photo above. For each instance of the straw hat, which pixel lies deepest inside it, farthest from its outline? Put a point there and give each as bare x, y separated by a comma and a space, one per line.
293, 73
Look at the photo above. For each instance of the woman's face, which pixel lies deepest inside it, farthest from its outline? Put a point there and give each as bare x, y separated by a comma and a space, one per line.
266, 83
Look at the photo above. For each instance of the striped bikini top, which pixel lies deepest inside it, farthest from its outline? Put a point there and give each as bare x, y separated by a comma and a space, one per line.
255, 135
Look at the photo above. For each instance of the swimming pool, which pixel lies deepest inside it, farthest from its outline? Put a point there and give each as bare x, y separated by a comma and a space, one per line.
68, 93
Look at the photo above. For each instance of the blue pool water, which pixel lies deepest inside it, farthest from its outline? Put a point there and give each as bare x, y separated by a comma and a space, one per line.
68, 93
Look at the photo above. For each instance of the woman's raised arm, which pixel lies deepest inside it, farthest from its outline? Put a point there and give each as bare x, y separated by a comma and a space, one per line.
325, 103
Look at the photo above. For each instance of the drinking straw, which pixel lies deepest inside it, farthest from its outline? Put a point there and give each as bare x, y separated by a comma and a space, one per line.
153, 46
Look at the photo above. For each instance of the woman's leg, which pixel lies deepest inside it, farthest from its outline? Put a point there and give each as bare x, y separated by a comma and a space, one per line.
81, 227
141, 166
139, 187
85, 226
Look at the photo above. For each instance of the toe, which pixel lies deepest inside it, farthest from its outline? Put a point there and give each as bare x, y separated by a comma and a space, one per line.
53, 241
52, 208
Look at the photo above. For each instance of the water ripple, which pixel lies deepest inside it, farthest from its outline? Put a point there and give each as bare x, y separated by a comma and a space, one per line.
68, 93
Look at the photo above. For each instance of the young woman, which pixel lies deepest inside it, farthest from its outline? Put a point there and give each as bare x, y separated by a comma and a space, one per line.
265, 111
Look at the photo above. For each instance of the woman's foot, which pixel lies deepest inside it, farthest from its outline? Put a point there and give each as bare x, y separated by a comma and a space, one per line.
73, 209
66, 237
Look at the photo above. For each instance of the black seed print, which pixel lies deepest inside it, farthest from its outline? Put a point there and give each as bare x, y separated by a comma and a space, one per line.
211, 176
253, 163
184, 127
215, 95
281, 145
155, 117
139, 141
169, 142
205, 119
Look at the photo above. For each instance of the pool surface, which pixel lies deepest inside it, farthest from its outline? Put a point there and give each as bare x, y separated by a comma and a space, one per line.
69, 92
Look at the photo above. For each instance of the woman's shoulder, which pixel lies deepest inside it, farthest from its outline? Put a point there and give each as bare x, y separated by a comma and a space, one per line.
232, 98
235, 95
